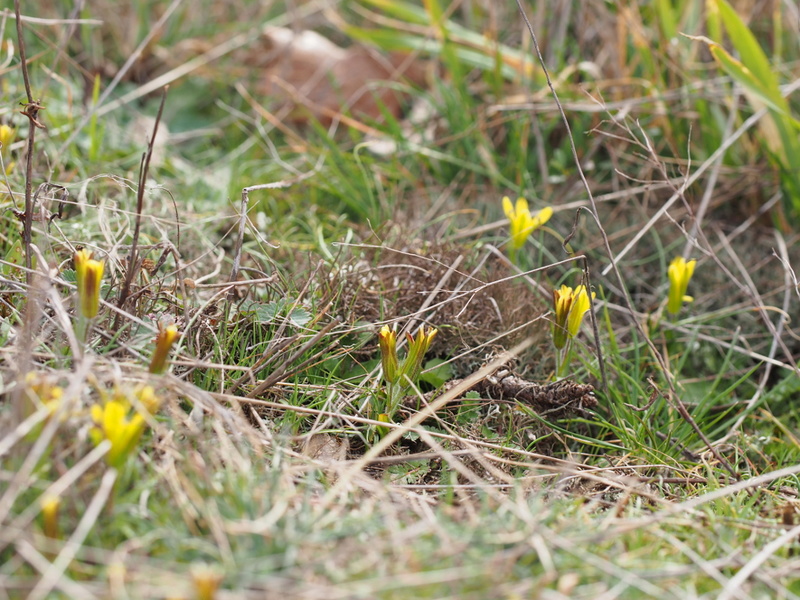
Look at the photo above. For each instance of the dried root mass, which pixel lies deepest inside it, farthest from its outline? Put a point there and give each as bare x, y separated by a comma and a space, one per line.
559, 399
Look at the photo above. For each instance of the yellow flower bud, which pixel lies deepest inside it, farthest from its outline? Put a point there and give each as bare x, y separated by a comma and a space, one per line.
164, 340
89, 275
7, 135
206, 580
569, 305
383, 418
417, 347
147, 396
387, 340
50, 505
679, 272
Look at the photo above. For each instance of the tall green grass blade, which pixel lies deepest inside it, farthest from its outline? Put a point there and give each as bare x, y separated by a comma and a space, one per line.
757, 77
666, 18
748, 48
473, 49
95, 132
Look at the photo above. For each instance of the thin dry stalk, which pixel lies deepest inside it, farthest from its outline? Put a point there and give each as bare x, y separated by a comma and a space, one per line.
237, 253
280, 372
133, 257
736, 582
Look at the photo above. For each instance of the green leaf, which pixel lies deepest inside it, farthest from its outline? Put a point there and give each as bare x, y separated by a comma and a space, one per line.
401, 10
266, 312
748, 47
744, 76
437, 372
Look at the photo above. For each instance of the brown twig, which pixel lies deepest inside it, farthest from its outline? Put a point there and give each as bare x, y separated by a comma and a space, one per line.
31, 110
595, 329
133, 257
237, 254
654, 395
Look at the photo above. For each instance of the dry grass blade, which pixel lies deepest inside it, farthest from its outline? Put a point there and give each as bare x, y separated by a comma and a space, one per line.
733, 587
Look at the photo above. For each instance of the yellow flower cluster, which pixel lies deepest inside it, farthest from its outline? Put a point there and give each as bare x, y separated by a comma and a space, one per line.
411, 367
400, 376
42, 389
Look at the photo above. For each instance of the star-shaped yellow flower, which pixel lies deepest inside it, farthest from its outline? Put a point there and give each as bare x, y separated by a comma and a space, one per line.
522, 222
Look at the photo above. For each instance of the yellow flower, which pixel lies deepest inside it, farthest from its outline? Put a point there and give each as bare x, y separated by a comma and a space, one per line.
522, 222
89, 274
41, 391
164, 340
383, 418
7, 134
387, 340
206, 580
113, 424
147, 396
680, 272
44, 389
570, 305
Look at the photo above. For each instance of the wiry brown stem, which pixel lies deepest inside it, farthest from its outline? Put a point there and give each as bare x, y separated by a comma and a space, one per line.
133, 257
31, 110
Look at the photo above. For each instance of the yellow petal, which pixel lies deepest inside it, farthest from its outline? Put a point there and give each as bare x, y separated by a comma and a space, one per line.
113, 419
543, 216
522, 207
508, 209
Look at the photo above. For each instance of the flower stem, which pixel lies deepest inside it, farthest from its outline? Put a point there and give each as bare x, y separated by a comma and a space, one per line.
563, 358
82, 329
